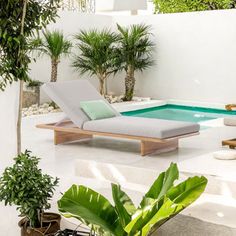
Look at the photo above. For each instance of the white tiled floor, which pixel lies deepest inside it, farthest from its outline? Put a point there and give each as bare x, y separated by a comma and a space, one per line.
193, 157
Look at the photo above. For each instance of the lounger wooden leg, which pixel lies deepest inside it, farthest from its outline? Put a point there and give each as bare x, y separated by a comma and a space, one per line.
64, 137
156, 147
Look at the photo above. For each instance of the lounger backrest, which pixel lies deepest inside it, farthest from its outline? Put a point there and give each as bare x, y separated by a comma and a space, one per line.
68, 95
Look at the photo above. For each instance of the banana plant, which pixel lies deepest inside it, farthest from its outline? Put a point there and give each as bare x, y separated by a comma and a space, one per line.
163, 201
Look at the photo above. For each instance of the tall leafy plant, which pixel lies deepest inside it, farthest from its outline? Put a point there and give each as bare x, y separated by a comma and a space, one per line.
54, 45
136, 50
97, 55
163, 201
172, 6
25, 186
19, 20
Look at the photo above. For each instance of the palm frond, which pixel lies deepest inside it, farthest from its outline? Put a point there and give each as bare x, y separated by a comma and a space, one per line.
136, 47
97, 52
54, 44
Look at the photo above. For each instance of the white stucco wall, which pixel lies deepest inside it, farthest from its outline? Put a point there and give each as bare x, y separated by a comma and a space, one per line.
195, 55
8, 120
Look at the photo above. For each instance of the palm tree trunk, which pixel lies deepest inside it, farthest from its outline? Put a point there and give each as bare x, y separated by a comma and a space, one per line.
129, 84
102, 84
105, 87
54, 71
101, 88
19, 119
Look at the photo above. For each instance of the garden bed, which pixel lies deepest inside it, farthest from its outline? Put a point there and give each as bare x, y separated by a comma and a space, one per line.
38, 110
116, 101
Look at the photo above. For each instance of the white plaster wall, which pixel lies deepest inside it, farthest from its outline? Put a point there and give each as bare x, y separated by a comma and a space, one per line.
8, 120
195, 57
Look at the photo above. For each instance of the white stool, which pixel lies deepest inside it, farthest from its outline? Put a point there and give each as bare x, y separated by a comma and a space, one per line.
225, 155
230, 121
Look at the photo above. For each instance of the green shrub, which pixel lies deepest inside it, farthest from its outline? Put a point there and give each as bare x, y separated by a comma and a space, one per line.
172, 6
34, 83
25, 186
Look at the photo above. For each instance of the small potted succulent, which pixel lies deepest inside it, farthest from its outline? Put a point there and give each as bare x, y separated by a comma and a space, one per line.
25, 186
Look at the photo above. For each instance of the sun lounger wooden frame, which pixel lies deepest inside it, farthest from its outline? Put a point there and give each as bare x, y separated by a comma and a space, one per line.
231, 143
230, 107
67, 132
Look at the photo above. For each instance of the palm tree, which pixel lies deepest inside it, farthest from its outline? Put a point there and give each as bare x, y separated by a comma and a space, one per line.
54, 44
97, 55
136, 50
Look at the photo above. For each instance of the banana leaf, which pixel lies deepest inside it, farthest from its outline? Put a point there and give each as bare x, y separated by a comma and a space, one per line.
162, 202
123, 205
92, 209
159, 211
160, 187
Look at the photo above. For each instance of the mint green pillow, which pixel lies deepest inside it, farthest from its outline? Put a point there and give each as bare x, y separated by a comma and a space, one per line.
97, 109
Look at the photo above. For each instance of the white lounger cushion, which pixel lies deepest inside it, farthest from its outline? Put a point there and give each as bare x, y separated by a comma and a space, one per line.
144, 127
68, 95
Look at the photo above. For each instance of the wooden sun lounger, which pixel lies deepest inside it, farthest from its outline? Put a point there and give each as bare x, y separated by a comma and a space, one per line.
68, 132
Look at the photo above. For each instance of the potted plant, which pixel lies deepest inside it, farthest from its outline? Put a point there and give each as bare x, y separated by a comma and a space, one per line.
25, 186
163, 201
136, 50
31, 93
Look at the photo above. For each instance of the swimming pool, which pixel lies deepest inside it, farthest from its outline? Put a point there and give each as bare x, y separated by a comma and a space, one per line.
181, 113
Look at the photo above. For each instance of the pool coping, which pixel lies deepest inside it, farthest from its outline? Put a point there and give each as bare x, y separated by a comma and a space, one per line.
186, 108
137, 105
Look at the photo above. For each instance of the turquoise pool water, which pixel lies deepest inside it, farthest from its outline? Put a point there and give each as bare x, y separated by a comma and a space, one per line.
181, 113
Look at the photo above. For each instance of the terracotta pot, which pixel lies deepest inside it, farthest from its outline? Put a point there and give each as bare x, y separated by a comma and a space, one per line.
51, 224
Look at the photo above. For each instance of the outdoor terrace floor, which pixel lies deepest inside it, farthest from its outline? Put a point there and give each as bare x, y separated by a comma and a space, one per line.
217, 205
